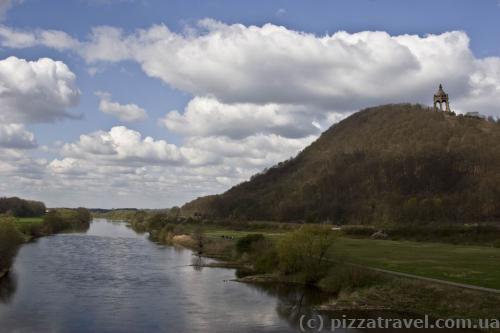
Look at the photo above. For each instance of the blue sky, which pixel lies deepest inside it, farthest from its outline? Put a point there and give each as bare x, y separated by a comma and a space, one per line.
229, 87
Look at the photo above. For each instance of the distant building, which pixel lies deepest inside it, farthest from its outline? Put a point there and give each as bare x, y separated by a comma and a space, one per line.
440, 98
474, 115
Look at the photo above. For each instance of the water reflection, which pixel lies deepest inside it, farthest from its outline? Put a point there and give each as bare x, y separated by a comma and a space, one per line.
294, 301
111, 279
8, 285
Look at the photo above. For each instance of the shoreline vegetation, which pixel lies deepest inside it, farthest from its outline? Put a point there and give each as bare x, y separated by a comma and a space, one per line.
317, 255
22, 221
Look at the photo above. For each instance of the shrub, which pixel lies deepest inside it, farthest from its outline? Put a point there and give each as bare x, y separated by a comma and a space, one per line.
245, 243
304, 252
264, 256
66, 220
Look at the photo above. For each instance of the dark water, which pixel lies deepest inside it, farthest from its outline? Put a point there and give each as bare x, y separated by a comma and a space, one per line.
111, 279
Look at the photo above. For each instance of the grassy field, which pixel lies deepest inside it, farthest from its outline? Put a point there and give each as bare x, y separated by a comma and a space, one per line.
23, 221
235, 234
27, 224
474, 265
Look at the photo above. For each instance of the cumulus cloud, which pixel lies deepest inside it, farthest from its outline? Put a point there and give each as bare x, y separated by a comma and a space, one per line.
36, 91
123, 144
260, 94
124, 161
124, 112
272, 64
205, 116
253, 152
16, 136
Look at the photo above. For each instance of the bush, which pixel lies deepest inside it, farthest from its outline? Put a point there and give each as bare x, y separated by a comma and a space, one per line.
264, 256
304, 252
244, 244
66, 220
53, 222
10, 239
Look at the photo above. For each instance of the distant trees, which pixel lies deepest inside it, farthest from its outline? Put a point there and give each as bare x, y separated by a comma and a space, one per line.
21, 208
65, 219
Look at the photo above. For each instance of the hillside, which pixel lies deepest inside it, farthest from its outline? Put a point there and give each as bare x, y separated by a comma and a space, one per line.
392, 163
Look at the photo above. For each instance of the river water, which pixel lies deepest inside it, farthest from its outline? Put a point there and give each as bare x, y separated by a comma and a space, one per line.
111, 279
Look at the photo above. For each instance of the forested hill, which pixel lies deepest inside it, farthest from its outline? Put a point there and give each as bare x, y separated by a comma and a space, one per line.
392, 163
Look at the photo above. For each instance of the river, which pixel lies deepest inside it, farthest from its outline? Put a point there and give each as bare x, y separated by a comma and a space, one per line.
111, 279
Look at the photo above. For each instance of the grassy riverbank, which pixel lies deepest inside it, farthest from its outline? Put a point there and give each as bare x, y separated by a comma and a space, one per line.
357, 288
17, 230
289, 254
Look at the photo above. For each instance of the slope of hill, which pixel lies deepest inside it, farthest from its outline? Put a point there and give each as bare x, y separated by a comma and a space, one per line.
392, 163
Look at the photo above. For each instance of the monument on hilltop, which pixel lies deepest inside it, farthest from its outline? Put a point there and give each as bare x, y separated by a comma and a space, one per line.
440, 98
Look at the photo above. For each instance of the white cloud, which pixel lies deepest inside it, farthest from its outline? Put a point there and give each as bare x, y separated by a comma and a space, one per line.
36, 91
272, 64
126, 147
105, 43
59, 40
122, 160
123, 144
16, 136
254, 152
124, 112
206, 116
260, 95
269, 64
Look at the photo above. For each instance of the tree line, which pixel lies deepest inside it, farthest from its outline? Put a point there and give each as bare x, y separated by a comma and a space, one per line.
21, 208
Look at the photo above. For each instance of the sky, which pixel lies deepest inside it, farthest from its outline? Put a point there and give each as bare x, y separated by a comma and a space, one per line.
150, 104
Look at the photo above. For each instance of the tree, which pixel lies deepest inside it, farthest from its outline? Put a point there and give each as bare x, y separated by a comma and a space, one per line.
304, 252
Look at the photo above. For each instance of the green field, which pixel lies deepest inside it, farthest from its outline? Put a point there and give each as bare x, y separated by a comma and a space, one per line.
23, 221
474, 265
218, 233
27, 224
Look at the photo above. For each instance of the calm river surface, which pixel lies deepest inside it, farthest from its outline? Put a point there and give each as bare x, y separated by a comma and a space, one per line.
111, 279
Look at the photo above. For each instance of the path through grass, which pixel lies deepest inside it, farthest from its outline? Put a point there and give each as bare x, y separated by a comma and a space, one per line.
474, 265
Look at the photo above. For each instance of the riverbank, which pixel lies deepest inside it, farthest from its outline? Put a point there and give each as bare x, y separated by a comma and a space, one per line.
275, 255
17, 231
356, 288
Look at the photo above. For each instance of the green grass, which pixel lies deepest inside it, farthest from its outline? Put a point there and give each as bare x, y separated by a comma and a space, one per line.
236, 234
28, 224
474, 265
21, 220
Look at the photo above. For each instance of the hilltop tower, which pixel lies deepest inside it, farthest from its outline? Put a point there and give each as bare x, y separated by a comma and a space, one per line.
439, 98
